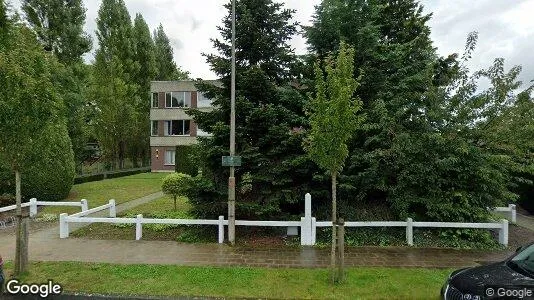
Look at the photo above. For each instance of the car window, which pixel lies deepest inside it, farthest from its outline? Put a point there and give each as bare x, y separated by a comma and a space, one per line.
525, 254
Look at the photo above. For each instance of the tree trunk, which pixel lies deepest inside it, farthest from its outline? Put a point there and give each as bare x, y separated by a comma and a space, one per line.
174, 203
21, 246
334, 220
121, 155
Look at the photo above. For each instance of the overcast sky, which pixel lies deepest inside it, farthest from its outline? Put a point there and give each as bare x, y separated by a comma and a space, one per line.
506, 28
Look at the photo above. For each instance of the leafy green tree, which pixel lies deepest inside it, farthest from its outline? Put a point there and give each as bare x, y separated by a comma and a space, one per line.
176, 185
59, 27
399, 65
270, 118
113, 87
28, 104
334, 118
146, 58
165, 65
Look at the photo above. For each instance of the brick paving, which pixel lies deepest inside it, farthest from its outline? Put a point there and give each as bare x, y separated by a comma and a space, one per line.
173, 253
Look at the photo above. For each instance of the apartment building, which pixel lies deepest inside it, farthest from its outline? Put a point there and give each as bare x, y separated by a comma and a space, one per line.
170, 124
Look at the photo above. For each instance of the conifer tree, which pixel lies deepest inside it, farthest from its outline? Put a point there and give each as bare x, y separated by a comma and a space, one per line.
270, 121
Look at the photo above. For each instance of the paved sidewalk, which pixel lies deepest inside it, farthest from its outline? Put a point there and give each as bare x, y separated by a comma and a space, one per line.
173, 253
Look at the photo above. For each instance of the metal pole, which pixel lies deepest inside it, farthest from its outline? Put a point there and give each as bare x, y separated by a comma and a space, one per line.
231, 179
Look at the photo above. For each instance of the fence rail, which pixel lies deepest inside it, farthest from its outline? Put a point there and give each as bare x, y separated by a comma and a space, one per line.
33, 204
512, 209
308, 225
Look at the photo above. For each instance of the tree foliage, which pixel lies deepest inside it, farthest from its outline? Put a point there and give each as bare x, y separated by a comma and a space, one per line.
270, 117
145, 56
34, 140
425, 147
166, 67
59, 27
114, 87
176, 185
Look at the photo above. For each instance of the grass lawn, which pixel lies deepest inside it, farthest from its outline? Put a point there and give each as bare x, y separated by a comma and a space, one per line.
160, 208
122, 189
160, 280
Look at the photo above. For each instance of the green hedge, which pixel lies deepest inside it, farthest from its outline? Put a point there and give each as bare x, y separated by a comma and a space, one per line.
101, 176
185, 160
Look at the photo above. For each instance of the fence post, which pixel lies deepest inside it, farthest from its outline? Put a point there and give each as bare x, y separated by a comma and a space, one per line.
314, 231
306, 223
63, 226
513, 213
307, 206
138, 227
221, 229
409, 231
503, 233
84, 204
33, 207
112, 209
341, 250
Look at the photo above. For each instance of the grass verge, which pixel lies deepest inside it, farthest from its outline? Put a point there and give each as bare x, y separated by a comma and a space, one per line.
238, 282
122, 189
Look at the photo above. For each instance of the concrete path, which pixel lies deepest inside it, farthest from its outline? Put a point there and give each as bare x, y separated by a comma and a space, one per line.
45, 245
525, 221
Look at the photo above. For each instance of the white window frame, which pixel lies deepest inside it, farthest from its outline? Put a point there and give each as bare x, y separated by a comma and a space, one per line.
168, 126
172, 161
187, 99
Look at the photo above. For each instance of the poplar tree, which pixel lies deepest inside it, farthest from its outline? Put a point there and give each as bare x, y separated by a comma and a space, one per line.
114, 88
59, 28
165, 65
146, 58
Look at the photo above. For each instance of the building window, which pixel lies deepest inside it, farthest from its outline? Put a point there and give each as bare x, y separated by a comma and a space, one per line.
177, 99
203, 101
155, 100
154, 130
177, 127
170, 156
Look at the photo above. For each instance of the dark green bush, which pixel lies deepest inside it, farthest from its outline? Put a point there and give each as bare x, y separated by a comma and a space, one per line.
51, 177
49, 174
186, 160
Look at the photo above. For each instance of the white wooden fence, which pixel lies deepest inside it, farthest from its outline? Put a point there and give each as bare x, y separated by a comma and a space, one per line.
512, 209
33, 204
308, 224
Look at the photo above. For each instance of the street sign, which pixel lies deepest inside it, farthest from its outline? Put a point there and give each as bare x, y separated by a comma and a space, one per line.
231, 161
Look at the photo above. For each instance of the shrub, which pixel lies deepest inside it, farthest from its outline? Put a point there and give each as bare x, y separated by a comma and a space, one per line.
175, 185
49, 174
186, 160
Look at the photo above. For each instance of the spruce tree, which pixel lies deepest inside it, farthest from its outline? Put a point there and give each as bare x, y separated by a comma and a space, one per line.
270, 121
165, 65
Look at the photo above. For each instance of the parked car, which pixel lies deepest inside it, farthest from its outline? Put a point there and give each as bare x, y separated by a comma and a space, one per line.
512, 278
